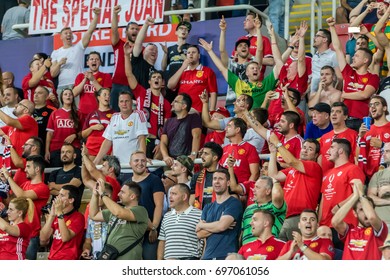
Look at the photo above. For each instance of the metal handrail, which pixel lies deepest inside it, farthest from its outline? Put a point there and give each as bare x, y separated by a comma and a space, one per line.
205, 10
155, 163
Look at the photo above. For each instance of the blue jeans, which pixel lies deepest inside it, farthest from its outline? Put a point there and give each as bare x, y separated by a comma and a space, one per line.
32, 249
276, 15
114, 96
149, 250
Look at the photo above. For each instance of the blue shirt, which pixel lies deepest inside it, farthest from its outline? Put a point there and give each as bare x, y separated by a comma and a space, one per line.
218, 245
313, 131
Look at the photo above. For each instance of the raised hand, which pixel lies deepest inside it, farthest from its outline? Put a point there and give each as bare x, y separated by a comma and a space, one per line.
222, 24
207, 46
331, 21
117, 9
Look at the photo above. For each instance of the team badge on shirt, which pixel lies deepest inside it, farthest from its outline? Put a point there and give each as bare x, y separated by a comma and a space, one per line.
367, 231
313, 245
365, 80
130, 123
241, 152
199, 74
109, 116
269, 249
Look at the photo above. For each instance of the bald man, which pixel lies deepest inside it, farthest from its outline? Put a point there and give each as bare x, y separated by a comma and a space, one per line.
19, 130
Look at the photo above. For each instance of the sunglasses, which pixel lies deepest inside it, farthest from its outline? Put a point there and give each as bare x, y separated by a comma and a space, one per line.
166, 177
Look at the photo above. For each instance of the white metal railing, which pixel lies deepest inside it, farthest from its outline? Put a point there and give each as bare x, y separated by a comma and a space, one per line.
155, 163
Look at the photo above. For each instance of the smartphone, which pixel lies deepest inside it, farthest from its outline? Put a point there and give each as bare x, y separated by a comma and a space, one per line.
355, 29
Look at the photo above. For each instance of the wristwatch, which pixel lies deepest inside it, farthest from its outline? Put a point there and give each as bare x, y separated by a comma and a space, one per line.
103, 194
194, 153
154, 228
61, 216
279, 145
303, 248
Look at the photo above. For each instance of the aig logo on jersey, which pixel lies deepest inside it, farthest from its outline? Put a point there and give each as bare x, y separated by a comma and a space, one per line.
199, 74
61, 123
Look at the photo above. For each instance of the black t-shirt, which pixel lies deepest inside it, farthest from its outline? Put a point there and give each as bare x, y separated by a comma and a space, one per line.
142, 70
42, 117
59, 176
175, 59
149, 186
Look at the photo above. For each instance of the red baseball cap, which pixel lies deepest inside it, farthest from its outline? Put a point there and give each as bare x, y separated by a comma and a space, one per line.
221, 110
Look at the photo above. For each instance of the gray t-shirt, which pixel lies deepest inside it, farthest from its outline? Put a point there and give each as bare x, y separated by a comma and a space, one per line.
15, 15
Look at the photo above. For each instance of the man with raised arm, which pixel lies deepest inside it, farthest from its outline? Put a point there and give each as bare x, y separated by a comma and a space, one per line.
362, 241
68, 60
359, 84
119, 80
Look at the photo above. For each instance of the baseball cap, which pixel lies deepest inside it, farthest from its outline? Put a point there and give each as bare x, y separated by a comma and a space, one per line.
321, 107
242, 40
221, 110
186, 24
386, 243
186, 162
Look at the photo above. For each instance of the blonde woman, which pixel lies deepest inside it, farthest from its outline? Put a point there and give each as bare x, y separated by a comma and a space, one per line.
15, 234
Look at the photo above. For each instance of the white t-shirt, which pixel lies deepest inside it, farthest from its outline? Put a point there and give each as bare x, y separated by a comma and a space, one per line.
124, 134
74, 63
9, 112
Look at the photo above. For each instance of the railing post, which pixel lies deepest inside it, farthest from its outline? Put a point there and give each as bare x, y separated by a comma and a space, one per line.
286, 18
319, 14
312, 25
202, 13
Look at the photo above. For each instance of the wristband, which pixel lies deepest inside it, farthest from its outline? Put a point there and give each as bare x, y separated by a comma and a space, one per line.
268, 134
303, 248
363, 196
291, 47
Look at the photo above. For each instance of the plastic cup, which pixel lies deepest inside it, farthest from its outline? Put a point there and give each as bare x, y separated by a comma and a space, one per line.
367, 122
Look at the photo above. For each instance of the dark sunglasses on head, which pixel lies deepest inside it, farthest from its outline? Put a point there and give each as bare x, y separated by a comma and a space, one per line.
166, 177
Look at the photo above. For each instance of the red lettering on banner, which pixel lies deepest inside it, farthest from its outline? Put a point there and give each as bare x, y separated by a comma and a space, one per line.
84, 15
67, 16
45, 21
107, 11
140, 9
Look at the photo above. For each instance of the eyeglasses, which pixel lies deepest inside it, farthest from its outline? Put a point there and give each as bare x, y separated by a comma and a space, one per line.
318, 35
27, 144
166, 177
20, 104
375, 104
